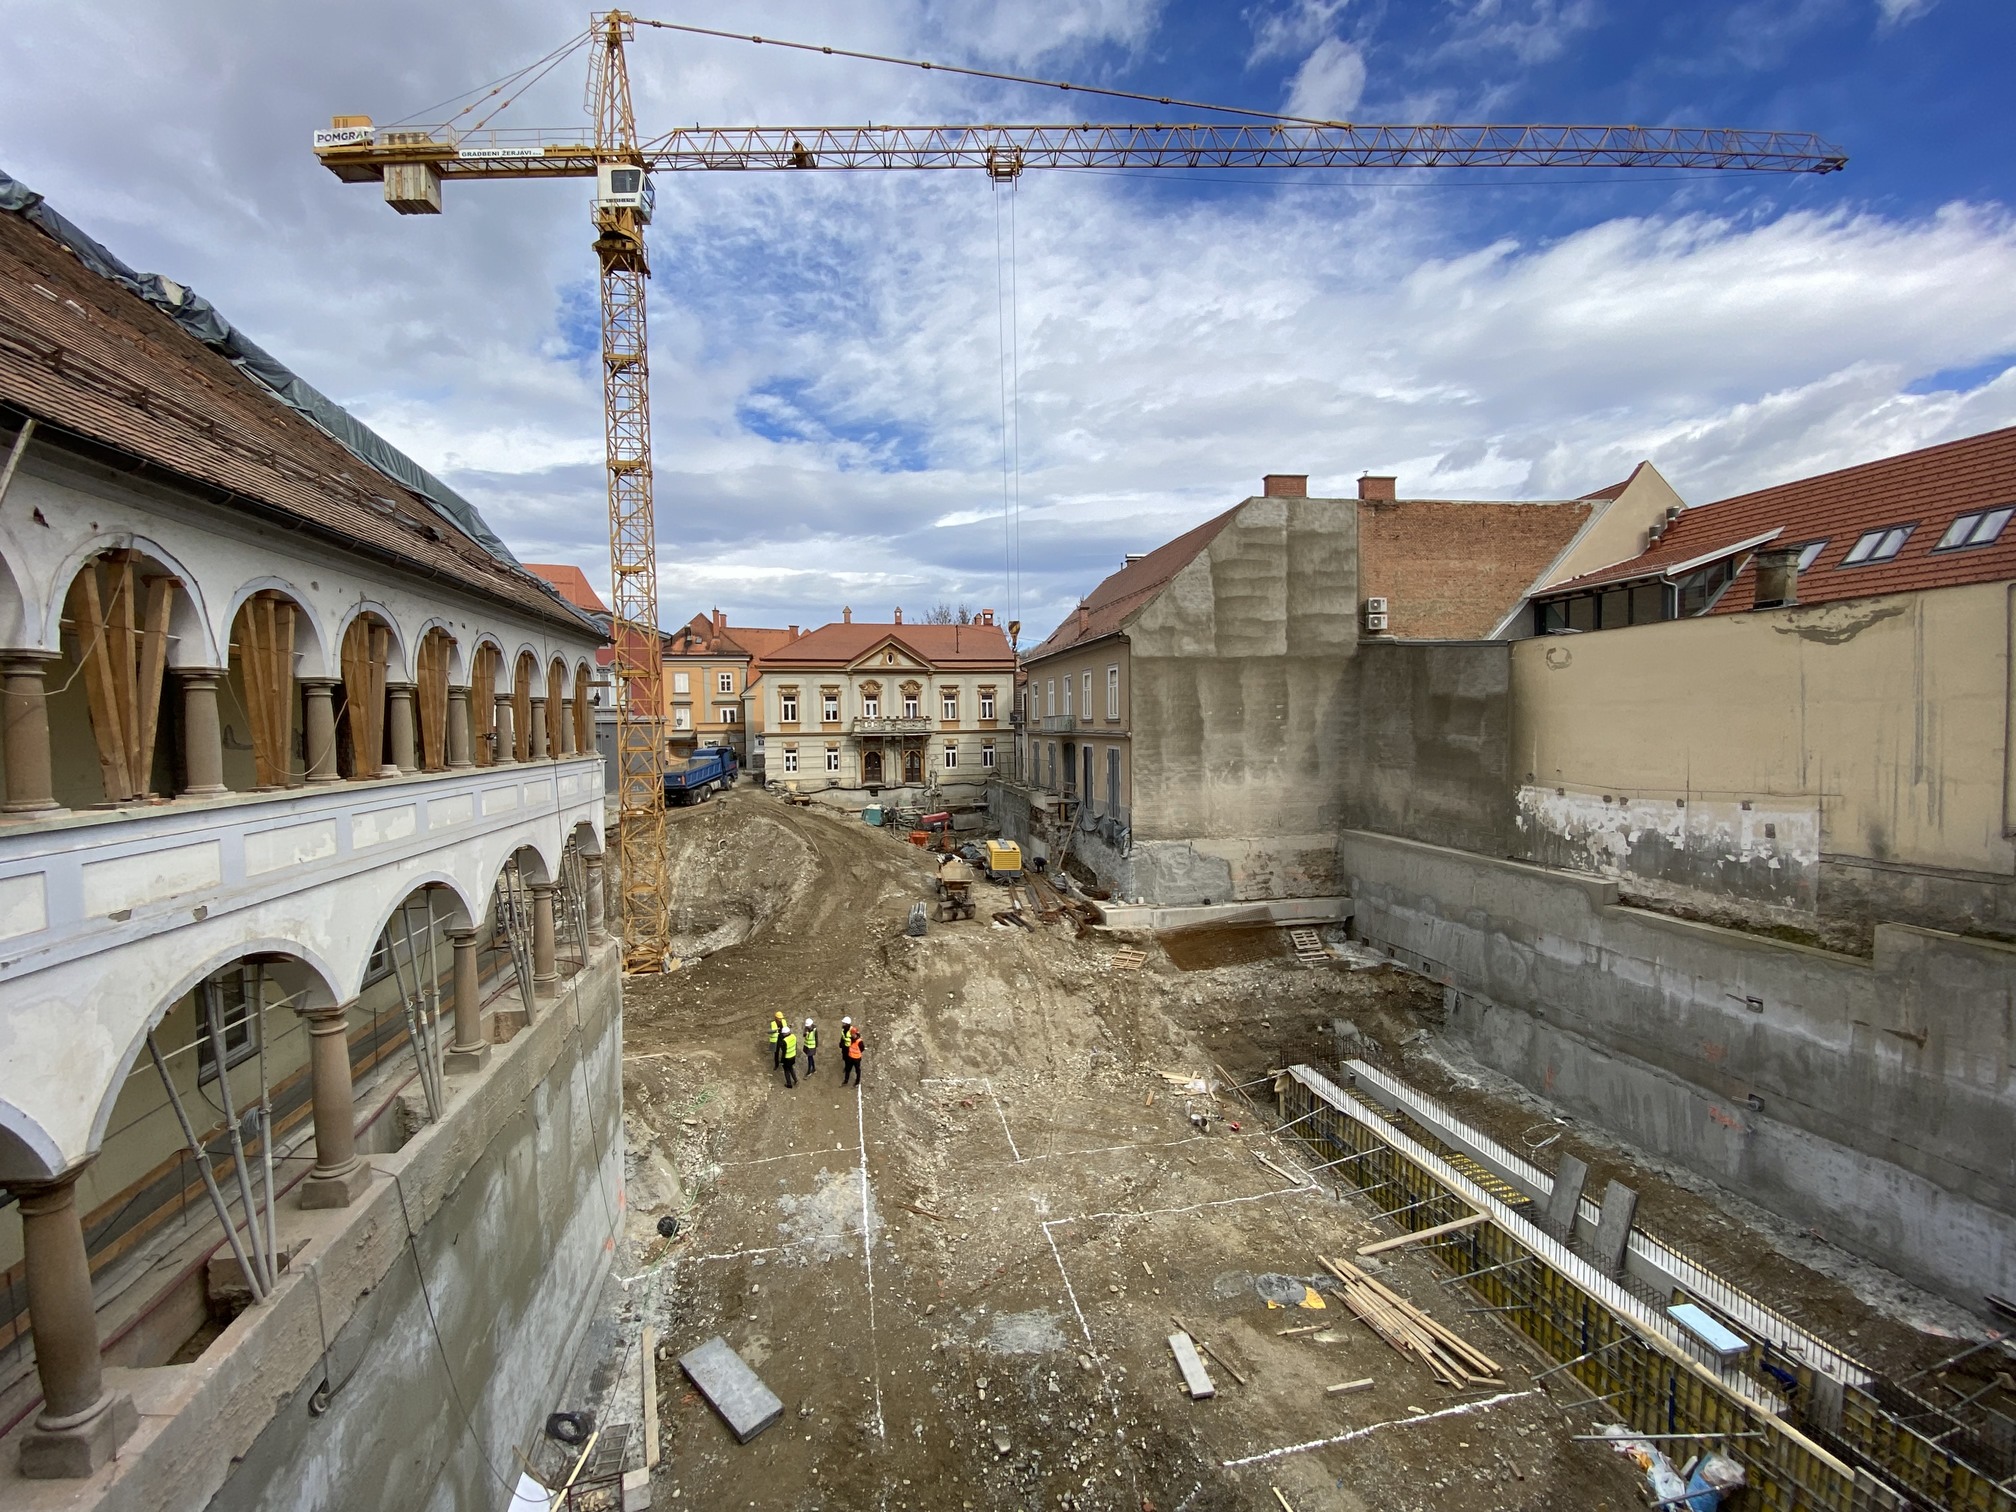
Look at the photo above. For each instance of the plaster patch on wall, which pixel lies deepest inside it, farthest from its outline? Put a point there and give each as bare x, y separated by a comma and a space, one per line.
24, 905
113, 886
539, 792
1768, 852
577, 785
293, 845
443, 812
382, 826
500, 800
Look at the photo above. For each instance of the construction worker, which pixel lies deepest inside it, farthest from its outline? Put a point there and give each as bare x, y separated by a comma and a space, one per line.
850, 1052
789, 1052
777, 1027
810, 1040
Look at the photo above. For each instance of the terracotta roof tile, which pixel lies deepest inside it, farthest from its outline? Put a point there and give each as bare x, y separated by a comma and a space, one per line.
1925, 489
1106, 607
88, 358
571, 583
843, 643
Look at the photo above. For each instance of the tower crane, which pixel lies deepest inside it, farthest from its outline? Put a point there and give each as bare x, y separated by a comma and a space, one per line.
414, 162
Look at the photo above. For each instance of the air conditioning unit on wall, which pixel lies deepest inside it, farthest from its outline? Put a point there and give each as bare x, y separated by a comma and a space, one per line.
1375, 605
1376, 623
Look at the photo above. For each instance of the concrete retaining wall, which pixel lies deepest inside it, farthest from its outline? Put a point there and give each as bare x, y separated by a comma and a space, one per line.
1874, 1100
1435, 743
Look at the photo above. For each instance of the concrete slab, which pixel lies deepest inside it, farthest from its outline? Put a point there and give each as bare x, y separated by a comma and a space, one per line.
1565, 1201
1613, 1229
1196, 1380
732, 1389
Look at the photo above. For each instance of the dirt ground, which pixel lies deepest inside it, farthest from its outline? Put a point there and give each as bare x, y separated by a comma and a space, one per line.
961, 1280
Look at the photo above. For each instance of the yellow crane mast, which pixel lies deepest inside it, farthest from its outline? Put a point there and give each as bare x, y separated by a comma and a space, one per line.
413, 162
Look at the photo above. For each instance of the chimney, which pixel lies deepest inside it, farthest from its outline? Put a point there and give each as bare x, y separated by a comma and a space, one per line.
720, 621
986, 616
1285, 485
1135, 556
846, 614
1377, 488
899, 615
1778, 577
794, 632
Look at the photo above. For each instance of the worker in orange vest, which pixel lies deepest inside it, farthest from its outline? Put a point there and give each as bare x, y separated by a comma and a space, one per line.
850, 1052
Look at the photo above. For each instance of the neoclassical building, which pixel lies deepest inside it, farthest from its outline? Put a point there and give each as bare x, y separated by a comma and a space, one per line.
857, 709
301, 928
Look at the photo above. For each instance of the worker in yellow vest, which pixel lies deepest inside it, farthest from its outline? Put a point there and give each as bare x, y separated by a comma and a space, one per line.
851, 1046
810, 1040
777, 1027
789, 1052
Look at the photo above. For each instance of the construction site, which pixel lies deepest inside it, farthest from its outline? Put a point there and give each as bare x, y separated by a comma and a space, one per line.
1073, 1143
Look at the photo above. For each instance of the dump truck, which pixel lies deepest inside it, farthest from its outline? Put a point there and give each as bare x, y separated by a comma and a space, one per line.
1003, 861
695, 779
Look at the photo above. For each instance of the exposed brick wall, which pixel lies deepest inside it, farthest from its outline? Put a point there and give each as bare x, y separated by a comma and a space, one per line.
1452, 569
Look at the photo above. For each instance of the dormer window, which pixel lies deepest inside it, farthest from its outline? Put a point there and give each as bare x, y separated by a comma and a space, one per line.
1878, 545
1983, 528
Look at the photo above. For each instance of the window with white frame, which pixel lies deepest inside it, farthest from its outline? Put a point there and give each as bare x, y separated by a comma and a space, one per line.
1113, 691
1085, 693
871, 706
909, 705
1067, 696
986, 703
790, 758
951, 755
682, 718
832, 758
728, 714
787, 705
987, 753
829, 705
725, 682
948, 703
682, 682
1049, 697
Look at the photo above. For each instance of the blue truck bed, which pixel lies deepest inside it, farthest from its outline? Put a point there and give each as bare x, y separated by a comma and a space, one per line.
696, 777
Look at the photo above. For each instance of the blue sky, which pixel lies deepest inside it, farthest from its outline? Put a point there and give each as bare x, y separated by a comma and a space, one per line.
826, 351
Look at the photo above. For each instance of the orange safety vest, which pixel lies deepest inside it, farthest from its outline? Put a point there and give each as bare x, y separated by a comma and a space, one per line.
851, 1045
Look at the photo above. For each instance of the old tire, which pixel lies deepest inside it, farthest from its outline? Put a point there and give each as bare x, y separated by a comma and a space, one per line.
570, 1428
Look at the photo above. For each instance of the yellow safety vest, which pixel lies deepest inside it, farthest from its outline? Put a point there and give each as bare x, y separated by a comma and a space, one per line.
776, 1031
811, 1039
790, 1045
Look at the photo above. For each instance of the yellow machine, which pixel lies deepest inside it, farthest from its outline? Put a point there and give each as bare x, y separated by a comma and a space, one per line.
1004, 861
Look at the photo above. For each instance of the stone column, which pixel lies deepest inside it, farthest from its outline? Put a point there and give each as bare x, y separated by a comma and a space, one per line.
507, 738
81, 1424
202, 732
318, 728
399, 730
536, 736
339, 1177
545, 974
459, 729
567, 730
598, 929
468, 1051
24, 716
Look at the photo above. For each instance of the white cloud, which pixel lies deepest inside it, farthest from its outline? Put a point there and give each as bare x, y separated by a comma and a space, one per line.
1293, 29
1532, 31
824, 355
1329, 83
1897, 12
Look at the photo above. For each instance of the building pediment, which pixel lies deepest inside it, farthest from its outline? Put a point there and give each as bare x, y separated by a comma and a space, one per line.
890, 655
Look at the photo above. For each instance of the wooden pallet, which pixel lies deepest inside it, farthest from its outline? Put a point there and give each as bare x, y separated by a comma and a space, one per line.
1308, 945
1129, 959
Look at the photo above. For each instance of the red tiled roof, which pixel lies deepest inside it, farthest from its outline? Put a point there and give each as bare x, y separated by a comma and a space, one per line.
759, 640
841, 644
87, 357
1105, 609
1925, 489
1452, 569
571, 583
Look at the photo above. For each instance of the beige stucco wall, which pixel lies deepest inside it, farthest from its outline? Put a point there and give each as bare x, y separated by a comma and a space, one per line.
1099, 729
1887, 720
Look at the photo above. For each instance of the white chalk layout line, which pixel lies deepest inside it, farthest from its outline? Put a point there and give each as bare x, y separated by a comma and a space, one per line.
1069, 1290
1357, 1433
868, 1254
1108, 1149
789, 1155
1002, 1114
675, 1260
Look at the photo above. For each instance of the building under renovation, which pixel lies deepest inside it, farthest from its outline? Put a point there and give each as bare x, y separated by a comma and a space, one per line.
309, 1025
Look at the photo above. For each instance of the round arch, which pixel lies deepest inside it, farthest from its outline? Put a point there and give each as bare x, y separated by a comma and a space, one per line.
16, 614
311, 636
458, 661
399, 666
304, 975
497, 661
585, 838
459, 914
193, 641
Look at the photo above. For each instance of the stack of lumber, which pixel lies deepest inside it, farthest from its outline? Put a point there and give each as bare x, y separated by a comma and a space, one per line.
1411, 1331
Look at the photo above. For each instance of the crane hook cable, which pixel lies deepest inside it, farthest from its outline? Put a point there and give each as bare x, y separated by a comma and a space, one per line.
982, 73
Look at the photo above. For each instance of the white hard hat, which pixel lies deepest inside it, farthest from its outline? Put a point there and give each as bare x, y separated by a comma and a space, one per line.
808, 1023
845, 1020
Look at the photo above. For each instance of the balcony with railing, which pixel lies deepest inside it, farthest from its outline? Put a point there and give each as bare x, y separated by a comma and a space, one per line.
893, 725
1059, 724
